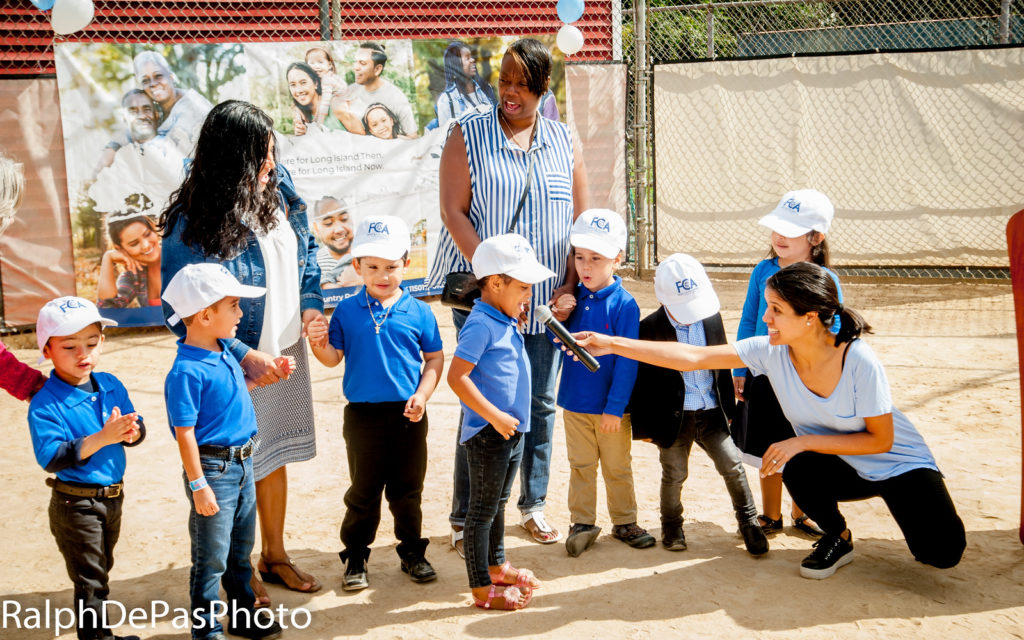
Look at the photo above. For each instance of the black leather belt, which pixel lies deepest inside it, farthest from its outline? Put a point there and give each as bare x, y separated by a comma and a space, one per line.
111, 491
227, 453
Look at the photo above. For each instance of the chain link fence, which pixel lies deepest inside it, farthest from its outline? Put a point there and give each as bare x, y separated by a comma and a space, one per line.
744, 30
28, 38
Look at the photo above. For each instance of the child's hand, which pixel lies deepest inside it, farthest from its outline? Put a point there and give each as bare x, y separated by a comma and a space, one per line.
563, 306
286, 364
738, 383
316, 331
610, 423
415, 407
506, 425
206, 502
120, 428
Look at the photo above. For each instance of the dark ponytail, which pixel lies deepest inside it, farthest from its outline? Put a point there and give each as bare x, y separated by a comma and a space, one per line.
808, 288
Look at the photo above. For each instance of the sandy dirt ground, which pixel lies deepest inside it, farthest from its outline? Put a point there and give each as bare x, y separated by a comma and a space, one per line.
950, 354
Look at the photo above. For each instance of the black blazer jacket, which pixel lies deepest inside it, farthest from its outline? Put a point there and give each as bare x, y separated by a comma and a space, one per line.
656, 406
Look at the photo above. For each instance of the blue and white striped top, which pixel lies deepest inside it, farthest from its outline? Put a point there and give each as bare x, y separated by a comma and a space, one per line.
497, 171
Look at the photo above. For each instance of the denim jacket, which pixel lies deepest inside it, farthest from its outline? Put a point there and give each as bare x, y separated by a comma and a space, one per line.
248, 267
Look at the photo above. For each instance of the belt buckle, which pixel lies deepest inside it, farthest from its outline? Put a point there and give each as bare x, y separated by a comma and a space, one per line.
245, 451
113, 491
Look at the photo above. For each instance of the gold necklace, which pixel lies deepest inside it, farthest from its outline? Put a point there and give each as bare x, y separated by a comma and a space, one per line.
376, 325
503, 121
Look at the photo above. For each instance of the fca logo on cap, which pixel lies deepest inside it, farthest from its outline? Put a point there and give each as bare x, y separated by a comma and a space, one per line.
67, 305
685, 284
378, 227
793, 204
600, 223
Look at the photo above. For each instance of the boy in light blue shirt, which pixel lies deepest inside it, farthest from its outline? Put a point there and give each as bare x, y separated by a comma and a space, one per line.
490, 373
597, 430
80, 422
211, 416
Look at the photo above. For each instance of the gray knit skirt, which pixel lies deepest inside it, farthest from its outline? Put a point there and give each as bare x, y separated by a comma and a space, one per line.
284, 418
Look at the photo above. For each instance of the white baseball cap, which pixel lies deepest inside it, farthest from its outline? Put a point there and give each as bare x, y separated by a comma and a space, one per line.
67, 316
682, 285
384, 237
512, 255
799, 213
197, 286
600, 230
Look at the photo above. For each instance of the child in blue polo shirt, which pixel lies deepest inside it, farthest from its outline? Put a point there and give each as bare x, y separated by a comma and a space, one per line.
597, 430
382, 331
490, 373
80, 422
211, 416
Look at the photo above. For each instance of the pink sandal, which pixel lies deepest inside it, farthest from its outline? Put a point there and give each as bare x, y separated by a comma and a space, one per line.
524, 580
510, 595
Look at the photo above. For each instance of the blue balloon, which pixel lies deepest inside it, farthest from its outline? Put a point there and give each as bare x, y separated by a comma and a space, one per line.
569, 10
43, 5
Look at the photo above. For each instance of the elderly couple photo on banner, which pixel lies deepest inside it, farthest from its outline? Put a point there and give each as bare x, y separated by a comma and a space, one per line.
360, 128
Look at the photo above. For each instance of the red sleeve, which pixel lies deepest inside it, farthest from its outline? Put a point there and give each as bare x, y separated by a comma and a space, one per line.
19, 379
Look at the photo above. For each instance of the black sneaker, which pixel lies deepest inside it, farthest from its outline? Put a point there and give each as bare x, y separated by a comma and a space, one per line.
581, 537
260, 628
830, 553
673, 538
355, 575
633, 535
754, 538
418, 568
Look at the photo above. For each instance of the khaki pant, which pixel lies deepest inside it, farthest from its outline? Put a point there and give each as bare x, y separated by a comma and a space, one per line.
587, 446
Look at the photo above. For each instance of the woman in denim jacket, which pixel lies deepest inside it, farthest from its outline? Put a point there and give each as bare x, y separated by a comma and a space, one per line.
239, 208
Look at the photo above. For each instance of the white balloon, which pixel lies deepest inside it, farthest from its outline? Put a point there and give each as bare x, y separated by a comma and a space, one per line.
70, 16
569, 40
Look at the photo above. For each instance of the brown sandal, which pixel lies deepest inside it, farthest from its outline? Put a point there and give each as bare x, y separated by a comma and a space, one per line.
258, 590
273, 577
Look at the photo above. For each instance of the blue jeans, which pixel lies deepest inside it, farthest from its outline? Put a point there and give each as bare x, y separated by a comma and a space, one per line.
492, 462
545, 361
709, 430
221, 543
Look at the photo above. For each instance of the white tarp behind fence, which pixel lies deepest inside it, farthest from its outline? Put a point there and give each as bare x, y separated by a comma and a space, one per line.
922, 153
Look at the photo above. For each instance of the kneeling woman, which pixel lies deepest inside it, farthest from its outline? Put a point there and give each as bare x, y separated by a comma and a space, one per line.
851, 443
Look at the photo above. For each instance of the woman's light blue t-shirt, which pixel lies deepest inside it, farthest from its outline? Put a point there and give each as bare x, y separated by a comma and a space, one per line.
862, 392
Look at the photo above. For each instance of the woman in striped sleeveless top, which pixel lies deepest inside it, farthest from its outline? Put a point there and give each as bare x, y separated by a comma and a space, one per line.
483, 173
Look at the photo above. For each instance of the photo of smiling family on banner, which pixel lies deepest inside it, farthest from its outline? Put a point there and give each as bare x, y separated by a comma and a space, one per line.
361, 126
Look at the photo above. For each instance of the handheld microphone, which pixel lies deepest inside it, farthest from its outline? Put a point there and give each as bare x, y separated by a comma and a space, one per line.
557, 328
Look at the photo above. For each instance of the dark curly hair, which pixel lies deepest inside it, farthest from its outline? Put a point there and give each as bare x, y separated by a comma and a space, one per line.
220, 201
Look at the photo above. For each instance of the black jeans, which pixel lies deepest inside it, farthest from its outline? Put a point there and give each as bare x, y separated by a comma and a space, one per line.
709, 430
387, 454
86, 530
917, 499
492, 463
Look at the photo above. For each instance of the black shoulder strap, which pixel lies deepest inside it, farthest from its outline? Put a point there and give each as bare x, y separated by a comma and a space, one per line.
843, 365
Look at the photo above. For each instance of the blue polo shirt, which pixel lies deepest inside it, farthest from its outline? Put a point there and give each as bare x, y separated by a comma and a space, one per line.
62, 415
206, 390
613, 311
384, 366
492, 343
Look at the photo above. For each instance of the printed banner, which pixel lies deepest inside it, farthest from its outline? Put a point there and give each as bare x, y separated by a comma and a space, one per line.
36, 263
361, 126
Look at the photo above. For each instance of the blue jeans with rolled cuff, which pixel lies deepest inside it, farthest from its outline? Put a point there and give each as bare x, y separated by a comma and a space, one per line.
221, 543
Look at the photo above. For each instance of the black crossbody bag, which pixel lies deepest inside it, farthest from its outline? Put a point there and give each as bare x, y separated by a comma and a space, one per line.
460, 287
